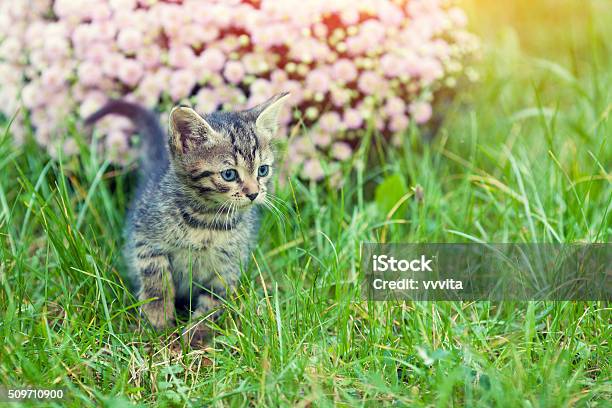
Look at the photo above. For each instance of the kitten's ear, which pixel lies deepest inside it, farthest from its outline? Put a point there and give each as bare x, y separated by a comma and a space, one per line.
268, 115
188, 130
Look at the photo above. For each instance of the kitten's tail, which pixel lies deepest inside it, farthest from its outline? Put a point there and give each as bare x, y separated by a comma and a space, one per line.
147, 125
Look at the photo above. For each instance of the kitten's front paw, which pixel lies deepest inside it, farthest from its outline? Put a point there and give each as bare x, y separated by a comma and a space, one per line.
197, 335
160, 314
209, 307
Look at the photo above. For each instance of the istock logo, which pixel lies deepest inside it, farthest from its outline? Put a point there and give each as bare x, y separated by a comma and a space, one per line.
383, 263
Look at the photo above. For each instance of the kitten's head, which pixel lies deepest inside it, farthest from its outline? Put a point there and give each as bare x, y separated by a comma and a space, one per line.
226, 157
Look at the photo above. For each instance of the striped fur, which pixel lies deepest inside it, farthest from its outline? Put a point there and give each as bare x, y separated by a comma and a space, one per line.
189, 231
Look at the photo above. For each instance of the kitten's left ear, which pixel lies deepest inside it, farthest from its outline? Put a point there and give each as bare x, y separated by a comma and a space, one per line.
188, 130
268, 115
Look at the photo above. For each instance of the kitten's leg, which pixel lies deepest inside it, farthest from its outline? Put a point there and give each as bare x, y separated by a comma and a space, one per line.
156, 282
220, 286
209, 306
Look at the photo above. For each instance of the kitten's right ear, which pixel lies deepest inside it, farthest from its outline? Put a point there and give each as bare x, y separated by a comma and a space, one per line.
188, 130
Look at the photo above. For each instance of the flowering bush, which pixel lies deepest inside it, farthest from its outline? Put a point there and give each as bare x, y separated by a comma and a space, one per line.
347, 63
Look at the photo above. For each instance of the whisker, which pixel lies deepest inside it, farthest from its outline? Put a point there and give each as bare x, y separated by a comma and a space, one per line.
230, 214
219, 211
276, 212
281, 202
277, 202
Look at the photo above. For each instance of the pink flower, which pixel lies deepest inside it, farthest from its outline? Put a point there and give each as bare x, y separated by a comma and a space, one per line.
321, 139
398, 122
420, 111
254, 63
149, 56
162, 76
457, 16
389, 14
196, 34
123, 5
118, 123
81, 37
103, 30
330, 122
439, 49
312, 170
267, 36
70, 147
303, 145
129, 39
172, 29
69, 8
231, 95
244, 15
130, 71
43, 134
98, 53
295, 90
91, 102
10, 99
10, 75
412, 64
31, 95
278, 78
233, 72
349, 16
16, 9
149, 90
369, 83
181, 84
373, 33
207, 34
221, 14
99, 11
395, 106
318, 81
341, 151
117, 142
213, 59
206, 100
111, 62
261, 88
39, 118
431, 70
357, 44
56, 47
320, 30
57, 106
340, 96
285, 118
181, 56
392, 65
34, 35
308, 49
89, 73
352, 119
54, 78
344, 70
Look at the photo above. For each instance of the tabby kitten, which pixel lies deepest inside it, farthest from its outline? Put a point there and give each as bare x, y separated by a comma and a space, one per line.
194, 220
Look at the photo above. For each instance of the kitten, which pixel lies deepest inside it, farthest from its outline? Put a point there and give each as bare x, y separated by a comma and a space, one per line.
194, 220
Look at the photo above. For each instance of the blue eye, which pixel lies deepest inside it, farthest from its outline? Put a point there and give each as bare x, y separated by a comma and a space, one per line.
263, 170
229, 175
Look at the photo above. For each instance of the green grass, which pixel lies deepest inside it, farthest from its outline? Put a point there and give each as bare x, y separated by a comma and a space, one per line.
524, 156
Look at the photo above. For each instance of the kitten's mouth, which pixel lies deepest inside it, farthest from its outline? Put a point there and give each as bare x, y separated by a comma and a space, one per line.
237, 205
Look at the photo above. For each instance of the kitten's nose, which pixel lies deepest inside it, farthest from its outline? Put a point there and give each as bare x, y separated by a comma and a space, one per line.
252, 196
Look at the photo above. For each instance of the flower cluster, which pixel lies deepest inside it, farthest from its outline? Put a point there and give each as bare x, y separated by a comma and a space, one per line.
347, 63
